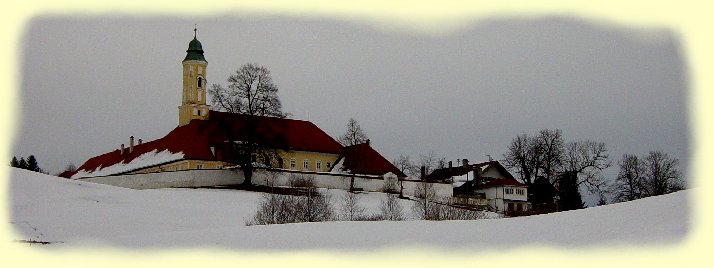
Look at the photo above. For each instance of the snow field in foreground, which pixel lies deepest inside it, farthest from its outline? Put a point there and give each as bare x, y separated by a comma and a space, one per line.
75, 213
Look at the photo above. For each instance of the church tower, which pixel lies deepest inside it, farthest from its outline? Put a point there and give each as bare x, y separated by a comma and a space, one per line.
193, 103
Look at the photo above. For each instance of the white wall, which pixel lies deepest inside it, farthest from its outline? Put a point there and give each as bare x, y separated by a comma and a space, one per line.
442, 189
216, 177
496, 195
184, 178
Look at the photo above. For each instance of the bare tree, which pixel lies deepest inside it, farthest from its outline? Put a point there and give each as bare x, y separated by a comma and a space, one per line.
309, 206
70, 167
316, 207
390, 184
536, 156
351, 210
550, 146
405, 165
276, 209
662, 173
454, 213
430, 162
584, 160
390, 209
250, 92
524, 156
630, 183
354, 134
426, 207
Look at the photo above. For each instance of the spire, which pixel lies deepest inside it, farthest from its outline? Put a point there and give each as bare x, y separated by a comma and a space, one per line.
195, 50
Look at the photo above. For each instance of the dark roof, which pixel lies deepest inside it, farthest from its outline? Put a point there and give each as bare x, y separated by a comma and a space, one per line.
442, 174
66, 174
487, 183
502, 181
195, 51
363, 159
195, 139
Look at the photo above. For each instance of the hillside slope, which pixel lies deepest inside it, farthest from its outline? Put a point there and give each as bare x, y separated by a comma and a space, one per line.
71, 213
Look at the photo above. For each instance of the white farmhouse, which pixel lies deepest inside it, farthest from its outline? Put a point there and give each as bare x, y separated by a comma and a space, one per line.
486, 184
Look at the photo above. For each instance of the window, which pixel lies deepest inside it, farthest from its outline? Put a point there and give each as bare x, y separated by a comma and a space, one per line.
328, 165
305, 164
199, 166
509, 190
199, 95
292, 163
198, 112
318, 165
280, 162
195, 111
200, 81
520, 192
219, 167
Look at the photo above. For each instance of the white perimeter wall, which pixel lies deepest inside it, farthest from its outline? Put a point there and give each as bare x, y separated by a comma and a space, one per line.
218, 177
184, 178
340, 181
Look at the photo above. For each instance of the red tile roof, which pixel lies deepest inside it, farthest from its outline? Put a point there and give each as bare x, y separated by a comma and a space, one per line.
363, 159
195, 139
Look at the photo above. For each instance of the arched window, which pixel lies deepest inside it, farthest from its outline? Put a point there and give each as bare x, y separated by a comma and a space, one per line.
200, 82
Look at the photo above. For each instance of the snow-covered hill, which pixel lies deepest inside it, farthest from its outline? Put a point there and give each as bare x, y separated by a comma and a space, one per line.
70, 213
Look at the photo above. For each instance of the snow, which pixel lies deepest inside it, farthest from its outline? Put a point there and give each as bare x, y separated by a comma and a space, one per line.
74, 213
147, 159
337, 167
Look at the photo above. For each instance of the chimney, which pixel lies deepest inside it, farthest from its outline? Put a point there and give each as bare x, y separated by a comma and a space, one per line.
423, 173
466, 162
139, 141
131, 144
121, 149
477, 179
367, 141
450, 165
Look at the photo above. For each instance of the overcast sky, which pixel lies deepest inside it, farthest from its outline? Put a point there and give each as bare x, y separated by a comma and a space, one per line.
90, 83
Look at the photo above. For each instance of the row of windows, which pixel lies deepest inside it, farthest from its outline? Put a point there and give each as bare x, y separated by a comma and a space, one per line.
517, 191
306, 165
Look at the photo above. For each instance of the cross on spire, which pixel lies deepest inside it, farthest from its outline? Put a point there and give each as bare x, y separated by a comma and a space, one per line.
194, 30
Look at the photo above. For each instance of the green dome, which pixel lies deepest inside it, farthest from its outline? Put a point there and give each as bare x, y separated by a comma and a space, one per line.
195, 51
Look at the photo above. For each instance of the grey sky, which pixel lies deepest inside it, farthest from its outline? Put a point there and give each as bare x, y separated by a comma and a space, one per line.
90, 83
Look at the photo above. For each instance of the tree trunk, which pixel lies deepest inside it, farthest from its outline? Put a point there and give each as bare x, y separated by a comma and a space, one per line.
248, 174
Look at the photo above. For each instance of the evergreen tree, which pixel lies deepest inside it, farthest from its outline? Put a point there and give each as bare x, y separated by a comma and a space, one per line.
14, 162
568, 192
22, 163
32, 164
541, 194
